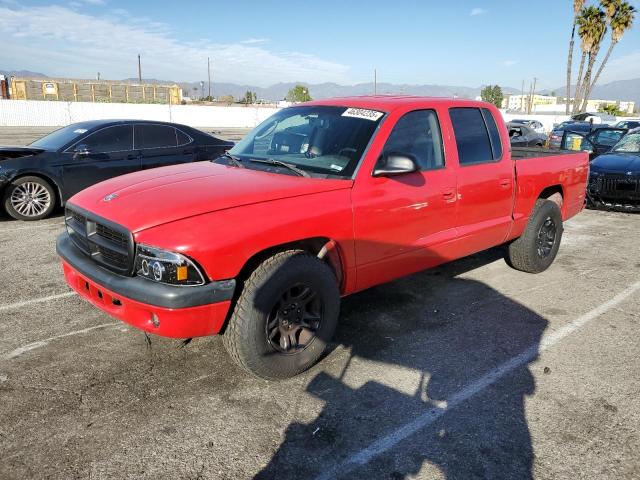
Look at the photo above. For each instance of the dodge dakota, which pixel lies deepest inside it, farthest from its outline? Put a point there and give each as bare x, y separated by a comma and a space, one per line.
319, 201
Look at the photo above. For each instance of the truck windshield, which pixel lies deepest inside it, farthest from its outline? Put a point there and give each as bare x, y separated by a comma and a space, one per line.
628, 144
321, 140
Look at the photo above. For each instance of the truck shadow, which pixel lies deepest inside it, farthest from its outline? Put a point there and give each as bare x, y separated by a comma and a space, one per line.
413, 344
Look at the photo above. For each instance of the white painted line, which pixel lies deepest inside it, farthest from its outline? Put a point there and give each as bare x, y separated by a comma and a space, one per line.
41, 343
387, 442
12, 306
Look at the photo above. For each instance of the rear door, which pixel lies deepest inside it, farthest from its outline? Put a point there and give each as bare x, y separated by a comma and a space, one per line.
403, 223
485, 180
162, 145
595, 143
103, 154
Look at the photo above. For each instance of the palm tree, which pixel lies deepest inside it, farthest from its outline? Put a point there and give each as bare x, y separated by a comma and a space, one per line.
591, 28
577, 6
620, 20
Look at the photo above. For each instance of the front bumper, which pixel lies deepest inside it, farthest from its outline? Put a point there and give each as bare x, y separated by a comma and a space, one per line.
165, 310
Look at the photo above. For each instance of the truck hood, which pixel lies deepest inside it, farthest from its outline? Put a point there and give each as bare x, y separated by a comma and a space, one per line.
153, 197
616, 163
17, 152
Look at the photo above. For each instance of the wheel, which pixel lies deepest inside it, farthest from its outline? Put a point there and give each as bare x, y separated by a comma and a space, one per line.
29, 198
536, 249
285, 316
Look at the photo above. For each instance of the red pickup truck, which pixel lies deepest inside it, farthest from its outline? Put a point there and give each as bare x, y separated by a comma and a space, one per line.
319, 201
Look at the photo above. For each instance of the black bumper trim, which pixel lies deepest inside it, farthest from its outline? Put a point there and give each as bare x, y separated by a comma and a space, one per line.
140, 289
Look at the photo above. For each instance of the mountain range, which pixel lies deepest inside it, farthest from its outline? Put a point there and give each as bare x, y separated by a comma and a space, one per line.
626, 90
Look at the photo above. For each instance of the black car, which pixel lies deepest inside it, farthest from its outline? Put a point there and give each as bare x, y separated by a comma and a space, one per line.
36, 178
595, 141
521, 135
614, 179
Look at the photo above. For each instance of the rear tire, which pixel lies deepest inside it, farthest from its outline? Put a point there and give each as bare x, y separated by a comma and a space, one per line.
29, 198
538, 246
273, 332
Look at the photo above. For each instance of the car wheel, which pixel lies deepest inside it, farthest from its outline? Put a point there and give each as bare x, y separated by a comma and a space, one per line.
285, 316
538, 246
29, 198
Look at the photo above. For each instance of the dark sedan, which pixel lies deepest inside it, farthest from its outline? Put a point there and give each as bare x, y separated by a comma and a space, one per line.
521, 135
36, 178
614, 179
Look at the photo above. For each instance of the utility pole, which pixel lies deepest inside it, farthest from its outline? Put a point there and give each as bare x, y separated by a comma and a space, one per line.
533, 92
139, 70
522, 98
209, 74
375, 81
529, 98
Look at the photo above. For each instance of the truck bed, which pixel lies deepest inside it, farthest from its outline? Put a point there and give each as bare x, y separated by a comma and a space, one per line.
521, 153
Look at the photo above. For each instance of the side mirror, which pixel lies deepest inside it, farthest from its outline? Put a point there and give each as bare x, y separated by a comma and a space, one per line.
81, 150
391, 164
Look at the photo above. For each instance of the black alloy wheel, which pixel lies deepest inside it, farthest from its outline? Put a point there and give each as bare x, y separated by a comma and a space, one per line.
295, 319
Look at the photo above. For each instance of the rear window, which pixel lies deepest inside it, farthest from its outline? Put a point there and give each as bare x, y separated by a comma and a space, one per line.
494, 136
472, 136
155, 136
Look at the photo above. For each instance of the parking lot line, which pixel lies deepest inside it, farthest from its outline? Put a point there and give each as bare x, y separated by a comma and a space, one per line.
387, 442
41, 343
12, 306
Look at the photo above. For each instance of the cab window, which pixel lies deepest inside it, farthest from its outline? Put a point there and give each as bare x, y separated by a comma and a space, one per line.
418, 134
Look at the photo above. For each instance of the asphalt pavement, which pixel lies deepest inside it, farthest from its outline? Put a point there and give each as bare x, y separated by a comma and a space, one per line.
470, 370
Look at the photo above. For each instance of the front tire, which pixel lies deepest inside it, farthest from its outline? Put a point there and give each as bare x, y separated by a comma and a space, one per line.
285, 316
538, 246
29, 198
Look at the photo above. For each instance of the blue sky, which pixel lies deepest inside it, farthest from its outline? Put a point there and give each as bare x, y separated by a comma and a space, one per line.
260, 43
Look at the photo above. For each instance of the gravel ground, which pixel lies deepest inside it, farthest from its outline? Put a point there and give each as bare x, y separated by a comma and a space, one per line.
470, 370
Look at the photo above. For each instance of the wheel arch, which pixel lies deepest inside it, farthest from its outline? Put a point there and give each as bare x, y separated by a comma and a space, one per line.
555, 193
47, 178
324, 248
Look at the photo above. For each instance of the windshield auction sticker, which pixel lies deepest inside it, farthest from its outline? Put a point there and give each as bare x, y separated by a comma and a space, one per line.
362, 113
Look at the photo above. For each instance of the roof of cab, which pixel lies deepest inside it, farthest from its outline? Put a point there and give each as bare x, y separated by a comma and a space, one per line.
388, 103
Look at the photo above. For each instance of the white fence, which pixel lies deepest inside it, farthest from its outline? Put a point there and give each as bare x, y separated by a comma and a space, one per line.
34, 113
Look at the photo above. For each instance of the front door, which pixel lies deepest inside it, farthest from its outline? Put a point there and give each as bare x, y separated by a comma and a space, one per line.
104, 154
485, 181
404, 223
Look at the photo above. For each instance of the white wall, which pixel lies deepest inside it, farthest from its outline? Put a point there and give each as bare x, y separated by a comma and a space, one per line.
547, 120
17, 113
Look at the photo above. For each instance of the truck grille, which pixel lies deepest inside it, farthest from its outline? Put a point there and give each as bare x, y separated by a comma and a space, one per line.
108, 244
618, 187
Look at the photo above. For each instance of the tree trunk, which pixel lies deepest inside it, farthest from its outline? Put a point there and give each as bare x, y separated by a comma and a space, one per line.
569, 61
576, 100
604, 62
587, 81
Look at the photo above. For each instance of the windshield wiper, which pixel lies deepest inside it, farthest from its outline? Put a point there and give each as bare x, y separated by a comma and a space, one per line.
232, 159
273, 161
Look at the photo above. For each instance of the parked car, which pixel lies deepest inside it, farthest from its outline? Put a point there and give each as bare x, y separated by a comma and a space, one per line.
614, 179
321, 200
594, 117
36, 178
535, 125
555, 137
628, 124
596, 142
522, 135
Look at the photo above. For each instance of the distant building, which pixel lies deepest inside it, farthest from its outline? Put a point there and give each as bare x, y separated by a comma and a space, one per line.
106, 91
549, 104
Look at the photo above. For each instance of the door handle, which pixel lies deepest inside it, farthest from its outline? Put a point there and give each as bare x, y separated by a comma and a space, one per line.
505, 183
449, 196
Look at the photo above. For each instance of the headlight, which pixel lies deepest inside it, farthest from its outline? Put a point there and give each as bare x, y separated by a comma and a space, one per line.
166, 267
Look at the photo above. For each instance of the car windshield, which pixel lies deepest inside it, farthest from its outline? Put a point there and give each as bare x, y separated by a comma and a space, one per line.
322, 140
628, 144
59, 138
